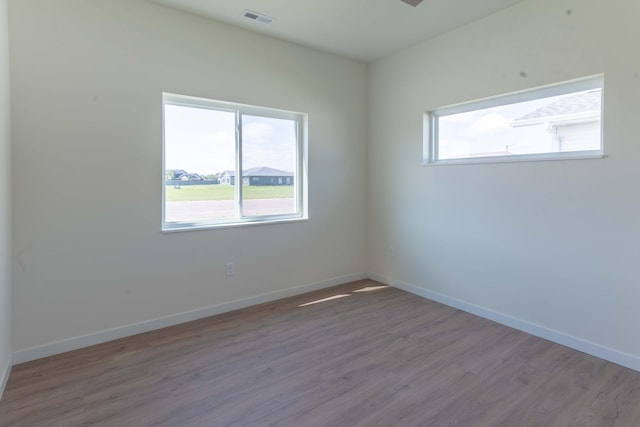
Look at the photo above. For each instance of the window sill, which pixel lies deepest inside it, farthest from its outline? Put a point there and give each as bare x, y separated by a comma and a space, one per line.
576, 155
198, 226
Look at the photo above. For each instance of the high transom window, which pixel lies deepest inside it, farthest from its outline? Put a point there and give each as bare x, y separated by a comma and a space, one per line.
553, 122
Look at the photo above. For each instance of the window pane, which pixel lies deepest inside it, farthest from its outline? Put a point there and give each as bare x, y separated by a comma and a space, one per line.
202, 153
268, 165
199, 164
569, 122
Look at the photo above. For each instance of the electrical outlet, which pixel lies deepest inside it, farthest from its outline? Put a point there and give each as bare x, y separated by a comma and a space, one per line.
229, 269
392, 252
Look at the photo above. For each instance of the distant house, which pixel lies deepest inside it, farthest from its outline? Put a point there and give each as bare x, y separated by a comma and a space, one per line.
174, 174
258, 176
227, 177
191, 177
573, 121
182, 175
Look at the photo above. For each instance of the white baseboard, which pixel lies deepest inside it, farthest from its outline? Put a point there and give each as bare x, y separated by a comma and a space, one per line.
5, 372
75, 343
597, 350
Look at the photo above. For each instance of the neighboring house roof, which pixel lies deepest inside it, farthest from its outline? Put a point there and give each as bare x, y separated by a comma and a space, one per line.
574, 107
265, 171
260, 171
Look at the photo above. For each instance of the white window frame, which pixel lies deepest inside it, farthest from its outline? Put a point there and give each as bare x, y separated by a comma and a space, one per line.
431, 123
300, 182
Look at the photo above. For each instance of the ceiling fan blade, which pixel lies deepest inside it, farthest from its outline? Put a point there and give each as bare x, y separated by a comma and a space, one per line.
413, 3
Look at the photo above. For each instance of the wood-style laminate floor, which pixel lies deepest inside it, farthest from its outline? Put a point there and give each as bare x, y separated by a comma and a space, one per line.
369, 356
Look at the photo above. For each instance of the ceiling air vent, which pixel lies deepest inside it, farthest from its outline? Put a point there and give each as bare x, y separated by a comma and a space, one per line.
264, 19
413, 3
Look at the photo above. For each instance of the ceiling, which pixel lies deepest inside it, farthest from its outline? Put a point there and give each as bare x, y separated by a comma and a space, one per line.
360, 29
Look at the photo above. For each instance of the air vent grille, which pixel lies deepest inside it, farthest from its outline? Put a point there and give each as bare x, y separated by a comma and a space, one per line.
413, 3
258, 17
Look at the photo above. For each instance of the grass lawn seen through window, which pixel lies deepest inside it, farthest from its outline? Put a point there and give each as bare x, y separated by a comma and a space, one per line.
193, 193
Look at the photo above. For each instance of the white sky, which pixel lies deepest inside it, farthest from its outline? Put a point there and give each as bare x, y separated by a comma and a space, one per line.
202, 141
489, 131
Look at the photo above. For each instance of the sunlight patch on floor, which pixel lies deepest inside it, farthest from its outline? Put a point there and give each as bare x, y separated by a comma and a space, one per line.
371, 288
365, 289
324, 300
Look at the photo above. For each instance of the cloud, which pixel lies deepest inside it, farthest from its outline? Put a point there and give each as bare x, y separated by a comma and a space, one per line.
257, 132
489, 123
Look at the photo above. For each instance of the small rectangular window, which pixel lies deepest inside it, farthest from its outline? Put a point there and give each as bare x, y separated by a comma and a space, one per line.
553, 122
211, 146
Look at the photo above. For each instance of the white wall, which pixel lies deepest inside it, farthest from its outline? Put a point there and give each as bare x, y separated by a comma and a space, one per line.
552, 245
87, 79
5, 200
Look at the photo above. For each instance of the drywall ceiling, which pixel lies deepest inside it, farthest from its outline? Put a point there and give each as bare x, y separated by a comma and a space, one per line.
361, 29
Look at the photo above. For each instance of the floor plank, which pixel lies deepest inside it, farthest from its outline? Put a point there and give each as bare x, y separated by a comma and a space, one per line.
375, 356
